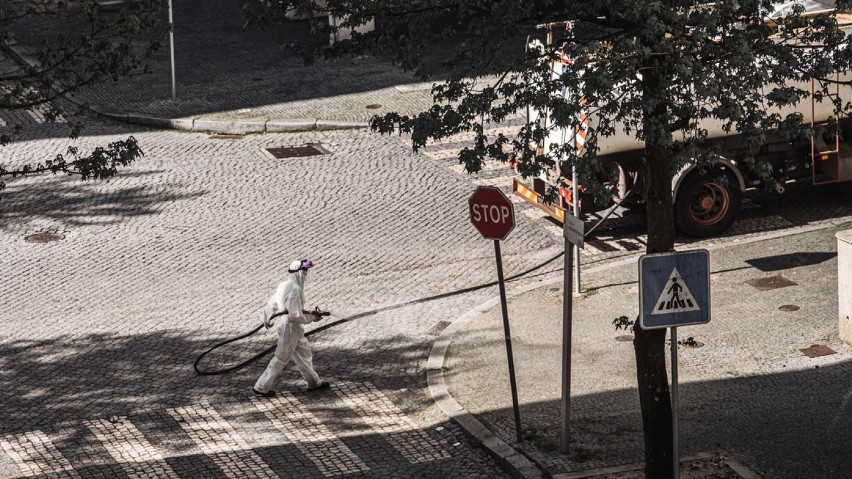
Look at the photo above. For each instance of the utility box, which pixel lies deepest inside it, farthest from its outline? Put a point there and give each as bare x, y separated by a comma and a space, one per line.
844, 284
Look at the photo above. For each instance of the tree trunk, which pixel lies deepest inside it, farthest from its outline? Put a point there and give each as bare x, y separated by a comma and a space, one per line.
649, 345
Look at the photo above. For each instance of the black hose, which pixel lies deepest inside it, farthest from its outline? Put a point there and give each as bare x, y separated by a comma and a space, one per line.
237, 366
330, 324
372, 312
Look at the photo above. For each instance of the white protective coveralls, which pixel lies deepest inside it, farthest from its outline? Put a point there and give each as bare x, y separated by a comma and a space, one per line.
289, 296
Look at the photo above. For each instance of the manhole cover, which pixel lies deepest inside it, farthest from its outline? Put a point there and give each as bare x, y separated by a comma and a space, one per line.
374, 106
817, 350
690, 342
436, 329
772, 282
296, 151
788, 307
43, 237
624, 338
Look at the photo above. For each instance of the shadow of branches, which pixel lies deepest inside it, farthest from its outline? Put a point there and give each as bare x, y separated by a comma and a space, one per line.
78, 203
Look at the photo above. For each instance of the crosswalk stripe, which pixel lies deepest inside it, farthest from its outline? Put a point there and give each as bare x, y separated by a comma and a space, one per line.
130, 448
35, 455
330, 455
216, 438
382, 415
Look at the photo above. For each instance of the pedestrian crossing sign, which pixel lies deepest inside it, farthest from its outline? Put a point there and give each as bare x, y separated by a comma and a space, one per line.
674, 289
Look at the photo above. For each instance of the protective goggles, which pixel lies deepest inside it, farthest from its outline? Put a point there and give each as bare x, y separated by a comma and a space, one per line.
304, 264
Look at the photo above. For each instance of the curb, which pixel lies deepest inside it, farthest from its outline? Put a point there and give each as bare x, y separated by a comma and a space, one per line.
200, 125
738, 467
518, 464
232, 127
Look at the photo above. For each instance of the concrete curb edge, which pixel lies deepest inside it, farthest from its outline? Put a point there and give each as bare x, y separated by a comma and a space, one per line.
518, 464
203, 125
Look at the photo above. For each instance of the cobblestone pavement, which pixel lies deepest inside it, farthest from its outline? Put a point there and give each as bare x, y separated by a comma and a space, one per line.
101, 328
180, 251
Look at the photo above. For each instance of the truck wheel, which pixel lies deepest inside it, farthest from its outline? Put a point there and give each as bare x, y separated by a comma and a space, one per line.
706, 206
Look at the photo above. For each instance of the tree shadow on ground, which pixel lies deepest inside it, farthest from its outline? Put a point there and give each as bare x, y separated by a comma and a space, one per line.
60, 387
787, 425
95, 376
790, 260
222, 65
78, 203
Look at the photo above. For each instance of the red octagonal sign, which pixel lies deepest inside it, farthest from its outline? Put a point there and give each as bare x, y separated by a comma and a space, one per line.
491, 213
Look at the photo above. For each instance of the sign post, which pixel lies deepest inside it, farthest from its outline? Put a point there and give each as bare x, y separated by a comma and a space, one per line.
172, 49
493, 215
674, 290
572, 231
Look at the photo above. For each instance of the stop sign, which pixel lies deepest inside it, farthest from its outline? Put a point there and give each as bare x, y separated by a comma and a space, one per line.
491, 213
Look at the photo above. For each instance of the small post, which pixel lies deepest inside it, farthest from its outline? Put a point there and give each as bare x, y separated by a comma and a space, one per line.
675, 445
566, 348
172, 49
508, 337
576, 201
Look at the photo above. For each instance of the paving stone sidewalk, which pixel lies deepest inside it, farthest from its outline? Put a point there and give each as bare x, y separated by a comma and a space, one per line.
748, 391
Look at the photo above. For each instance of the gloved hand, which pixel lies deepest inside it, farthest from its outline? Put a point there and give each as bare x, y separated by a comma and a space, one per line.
319, 313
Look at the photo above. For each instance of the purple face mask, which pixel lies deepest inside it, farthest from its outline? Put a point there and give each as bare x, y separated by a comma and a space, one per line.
306, 263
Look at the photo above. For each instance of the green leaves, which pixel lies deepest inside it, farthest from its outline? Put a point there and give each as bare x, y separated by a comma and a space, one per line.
669, 74
81, 46
100, 164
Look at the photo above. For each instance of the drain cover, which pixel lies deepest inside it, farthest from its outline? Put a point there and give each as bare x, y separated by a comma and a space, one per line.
296, 151
624, 338
788, 307
374, 106
817, 350
690, 342
772, 282
436, 329
43, 237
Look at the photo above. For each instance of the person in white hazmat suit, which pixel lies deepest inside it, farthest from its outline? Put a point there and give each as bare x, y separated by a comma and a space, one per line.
289, 296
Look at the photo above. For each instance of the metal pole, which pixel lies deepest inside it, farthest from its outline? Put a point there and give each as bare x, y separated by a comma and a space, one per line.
577, 214
566, 349
675, 446
508, 337
172, 48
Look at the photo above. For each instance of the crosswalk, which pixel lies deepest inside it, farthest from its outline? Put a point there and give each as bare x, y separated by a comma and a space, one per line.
126, 444
35, 455
331, 456
218, 440
229, 442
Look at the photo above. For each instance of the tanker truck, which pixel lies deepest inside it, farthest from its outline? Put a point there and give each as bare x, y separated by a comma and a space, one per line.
707, 199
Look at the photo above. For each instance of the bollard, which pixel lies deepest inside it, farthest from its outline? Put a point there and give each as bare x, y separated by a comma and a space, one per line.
844, 284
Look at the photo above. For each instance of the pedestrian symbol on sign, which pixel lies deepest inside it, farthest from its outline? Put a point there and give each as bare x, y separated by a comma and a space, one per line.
675, 297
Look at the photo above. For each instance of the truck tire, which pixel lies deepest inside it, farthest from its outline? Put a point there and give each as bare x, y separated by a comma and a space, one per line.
706, 206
